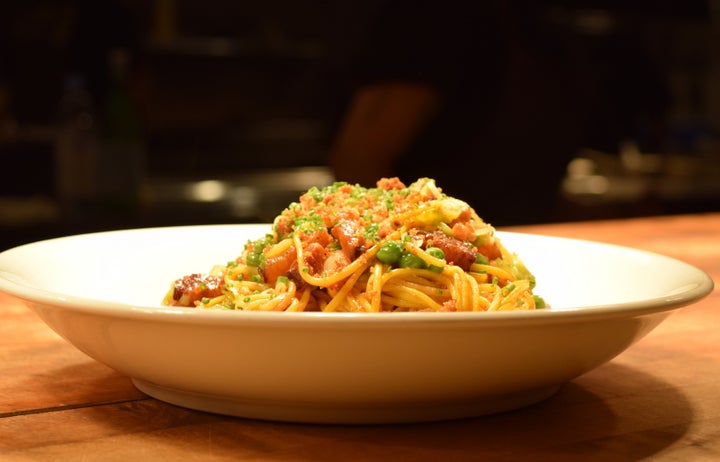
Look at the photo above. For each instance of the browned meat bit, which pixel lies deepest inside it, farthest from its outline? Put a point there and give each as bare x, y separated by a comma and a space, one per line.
457, 252
194, 287
315, 255
294, 275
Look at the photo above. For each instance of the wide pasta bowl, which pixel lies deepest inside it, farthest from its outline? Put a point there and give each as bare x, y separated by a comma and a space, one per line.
102, 293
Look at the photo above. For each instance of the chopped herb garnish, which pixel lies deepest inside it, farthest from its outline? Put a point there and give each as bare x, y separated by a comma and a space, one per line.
371, 232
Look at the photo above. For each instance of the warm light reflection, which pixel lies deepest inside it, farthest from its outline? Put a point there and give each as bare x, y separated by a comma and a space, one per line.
207, 191
244, 201
597, 184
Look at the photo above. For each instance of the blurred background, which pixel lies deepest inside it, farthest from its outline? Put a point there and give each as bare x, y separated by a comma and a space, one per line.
132, 113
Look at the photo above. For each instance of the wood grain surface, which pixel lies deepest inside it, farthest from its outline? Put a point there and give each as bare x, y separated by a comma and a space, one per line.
659, 400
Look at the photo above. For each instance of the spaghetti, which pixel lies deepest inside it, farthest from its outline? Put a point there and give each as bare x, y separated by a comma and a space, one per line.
347, 248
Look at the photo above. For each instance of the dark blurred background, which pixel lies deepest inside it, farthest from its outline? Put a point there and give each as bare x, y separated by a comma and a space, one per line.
128, 113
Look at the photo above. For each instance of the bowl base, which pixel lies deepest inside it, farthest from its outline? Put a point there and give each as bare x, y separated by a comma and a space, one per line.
347, 413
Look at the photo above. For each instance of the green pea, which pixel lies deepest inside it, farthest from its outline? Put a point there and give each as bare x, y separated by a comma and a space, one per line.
482, 259
390, 252
539, 302
371, 232
408, 260
435, 252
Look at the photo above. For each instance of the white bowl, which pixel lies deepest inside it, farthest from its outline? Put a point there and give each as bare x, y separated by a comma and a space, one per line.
102, 293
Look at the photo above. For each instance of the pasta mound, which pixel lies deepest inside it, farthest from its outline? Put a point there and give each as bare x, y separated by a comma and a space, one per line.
346, 248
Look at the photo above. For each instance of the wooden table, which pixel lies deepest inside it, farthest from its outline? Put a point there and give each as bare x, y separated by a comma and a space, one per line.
660, 400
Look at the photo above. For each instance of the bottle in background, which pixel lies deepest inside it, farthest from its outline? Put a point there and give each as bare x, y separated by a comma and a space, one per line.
76, 149
121, 164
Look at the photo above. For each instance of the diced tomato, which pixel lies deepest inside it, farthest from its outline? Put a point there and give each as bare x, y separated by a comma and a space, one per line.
350, 235
490, 250
278, 266
464, 231
335, 262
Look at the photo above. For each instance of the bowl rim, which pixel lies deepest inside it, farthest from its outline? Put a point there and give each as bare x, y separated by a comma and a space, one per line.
701, 287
